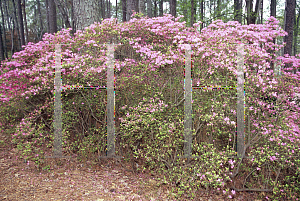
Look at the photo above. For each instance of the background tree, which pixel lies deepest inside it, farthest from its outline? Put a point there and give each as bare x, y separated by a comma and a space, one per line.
130, 7
142, 7
289, 26
4, 30
25, 21
86, 13
161, 7
173, 7
252, 15
52, 17
202, 13
296, 28
149, 8
22, 36
273, 13
1, 46
193, 12
124, 10
16, 24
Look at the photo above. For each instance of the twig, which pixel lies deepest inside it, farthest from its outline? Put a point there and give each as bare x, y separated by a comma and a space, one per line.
253, 189
90, 107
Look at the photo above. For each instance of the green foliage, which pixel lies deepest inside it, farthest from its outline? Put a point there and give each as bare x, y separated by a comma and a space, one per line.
154, 133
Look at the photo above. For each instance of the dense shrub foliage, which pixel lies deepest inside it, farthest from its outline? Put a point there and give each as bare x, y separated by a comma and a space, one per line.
149, 109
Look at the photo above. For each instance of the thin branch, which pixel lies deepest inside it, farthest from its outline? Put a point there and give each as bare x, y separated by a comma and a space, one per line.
90, 107
253, 189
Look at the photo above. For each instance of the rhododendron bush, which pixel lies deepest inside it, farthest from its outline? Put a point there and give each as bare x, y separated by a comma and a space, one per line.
148, 54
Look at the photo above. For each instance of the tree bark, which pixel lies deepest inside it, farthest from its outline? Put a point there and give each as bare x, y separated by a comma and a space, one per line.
155, 8
161, 7
47, 15
102, 9
1, 46
52, 17
296, 32
40, 19
124, 7
252, 16
22, 36
117, 9
262, 12
4, 31
130, 7
273, 8
17, 26
185, 11
107, 8
272, 13
193, 12
238, 10
289, 27
149, 8
25, 22
86, 13
10, 28
62, 8
202, 13
173, 7
142, 7
136, 6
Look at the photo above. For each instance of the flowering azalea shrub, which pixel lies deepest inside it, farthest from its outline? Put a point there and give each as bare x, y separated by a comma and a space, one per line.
149, 52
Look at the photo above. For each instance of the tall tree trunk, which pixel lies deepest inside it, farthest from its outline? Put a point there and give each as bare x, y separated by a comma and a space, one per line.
273, 13
218, 9
149, 8
142, 7
117, 9
107, 8
289, 26
62, 8
52, 17
161, 7
9, 21
193, 12
86, 13
262, 12
296, 32
1, 46
17, 26
252, 16
36, 33
173, 7
25, 22
124, 9
155, 8
102, 9
22, 36
40, 20
136, 6
202, 13
185, 11
48, 14
130, 8
72, 18
4, 31
238, 10
273, 8
13, 37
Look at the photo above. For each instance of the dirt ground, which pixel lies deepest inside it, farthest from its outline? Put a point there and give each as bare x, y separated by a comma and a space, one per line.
69, 179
